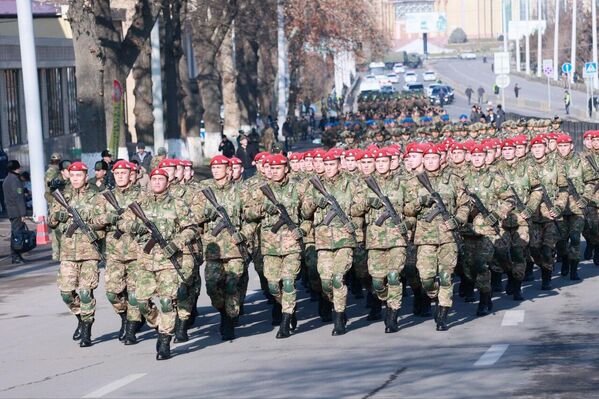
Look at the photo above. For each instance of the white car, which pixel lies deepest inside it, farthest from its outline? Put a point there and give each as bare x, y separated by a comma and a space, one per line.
429, 76
392, 78
410, 77
467, 56
370, 83
399, 68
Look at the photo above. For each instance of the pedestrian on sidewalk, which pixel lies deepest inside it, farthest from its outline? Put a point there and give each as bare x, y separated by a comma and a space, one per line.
469, 93
481, 93
15, 204
567, 101
516, 90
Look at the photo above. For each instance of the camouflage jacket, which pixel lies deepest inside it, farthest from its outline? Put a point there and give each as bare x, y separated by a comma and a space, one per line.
573, 170
387, 235
351, 200
492, 190
78, 247
522, 180
551, 176
220, 245
172, 218
282, 242
451, 189
125, 247
591, 179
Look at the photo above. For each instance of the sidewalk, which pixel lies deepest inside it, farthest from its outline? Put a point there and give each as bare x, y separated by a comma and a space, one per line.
5, 235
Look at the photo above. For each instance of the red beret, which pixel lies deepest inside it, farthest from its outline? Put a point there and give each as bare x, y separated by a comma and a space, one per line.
594, 134
186, 163
308, 154
168, 163
537, 140
508, 143
372, 147
220, 160
331, 155
160, 172
367, 155
588, 134
564, 138
260, 156
478, 148
122, 164
414, 147
134, 166
393, 150
77, 167
429, 148
552, 136
296, 156
353, 153
276, 159
337, 151
458, 147
381, 153
318, 153
235, 161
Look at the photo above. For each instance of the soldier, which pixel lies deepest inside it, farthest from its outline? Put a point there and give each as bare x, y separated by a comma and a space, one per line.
591, 192
544, 233
281, 249
572, 223
437, 248
484, 244
53, 172
158, 270
335, 242
225, 264
99, 180
122, 252
78, 274
386, 241
236, 170
56, 180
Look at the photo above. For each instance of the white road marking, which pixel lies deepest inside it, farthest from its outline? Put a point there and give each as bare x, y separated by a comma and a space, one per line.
492, 355
113, 386
512, 318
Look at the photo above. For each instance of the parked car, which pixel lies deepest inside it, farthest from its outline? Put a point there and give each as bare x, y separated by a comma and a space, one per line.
369, 83
429, 76
467, 56
414, 87
410, 77
387, 90
399, 68
392, 78
440, 96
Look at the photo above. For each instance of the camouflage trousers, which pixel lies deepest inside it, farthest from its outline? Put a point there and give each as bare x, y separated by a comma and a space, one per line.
518, 238
119, 278
281, 271
441, 259
591, 226
570, 229
360, 266
162, 284
222, 284
77, 282
186, 292
311, 259
478, 255
543, 239
410, 272
332, 266
385, 267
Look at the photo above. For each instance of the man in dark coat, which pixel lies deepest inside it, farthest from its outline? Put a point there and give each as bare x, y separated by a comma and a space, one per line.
15, 203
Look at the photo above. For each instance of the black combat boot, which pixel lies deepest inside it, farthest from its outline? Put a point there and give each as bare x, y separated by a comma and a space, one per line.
461, 288
517, 295
496, 284
181, 330
228, 329
417, 304
469, 296
284, 327
140, 324
442, 318
509, 286
596, 256
482, 309
130, 330
164, 347
426, 305
123, 324
277, 314
223, 316
545, 279
369, 299
325, 308
339, 320
391, 321
588, 252
565, 266
314, 296
293, 320
375, 310
528, 273
574, 270
86, 334
77, 333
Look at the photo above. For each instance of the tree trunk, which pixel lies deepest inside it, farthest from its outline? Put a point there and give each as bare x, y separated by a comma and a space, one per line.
171, 15
229, 86
143, 110
247, 81
267, 75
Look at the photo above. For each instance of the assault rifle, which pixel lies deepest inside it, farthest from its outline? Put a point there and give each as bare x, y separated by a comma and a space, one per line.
109, 195
284, 218
390, 211
336, 209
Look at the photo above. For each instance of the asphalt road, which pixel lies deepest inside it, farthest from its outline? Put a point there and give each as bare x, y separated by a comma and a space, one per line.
545, 346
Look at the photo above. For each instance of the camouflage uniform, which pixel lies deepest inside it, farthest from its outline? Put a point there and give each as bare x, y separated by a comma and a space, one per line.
53, 172
591, 192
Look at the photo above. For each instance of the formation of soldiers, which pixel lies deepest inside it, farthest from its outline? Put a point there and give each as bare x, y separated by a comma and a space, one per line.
418, 210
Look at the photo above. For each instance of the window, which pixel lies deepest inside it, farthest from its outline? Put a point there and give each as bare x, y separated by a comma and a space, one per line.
72, 100
54, 92
13, 104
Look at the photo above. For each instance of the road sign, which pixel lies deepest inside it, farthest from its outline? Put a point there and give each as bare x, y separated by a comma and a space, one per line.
590, 69
548, 67
502, 81
501, 63
566, 67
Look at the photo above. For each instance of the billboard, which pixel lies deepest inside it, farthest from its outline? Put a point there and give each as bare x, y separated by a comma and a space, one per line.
426, 22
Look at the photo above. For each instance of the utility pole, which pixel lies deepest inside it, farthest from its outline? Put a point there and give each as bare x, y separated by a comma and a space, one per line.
556, 41
594, 29
157, 104
539, 39
527, 38
573, 45
35, 141
282, 73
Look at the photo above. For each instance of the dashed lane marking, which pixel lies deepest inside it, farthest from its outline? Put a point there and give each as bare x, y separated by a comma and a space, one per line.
512, 318
492, 355
113, 386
